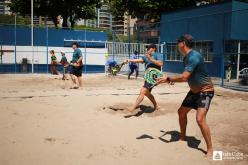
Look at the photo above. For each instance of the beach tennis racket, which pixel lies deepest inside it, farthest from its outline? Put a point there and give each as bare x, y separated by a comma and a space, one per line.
151, 74
117, 68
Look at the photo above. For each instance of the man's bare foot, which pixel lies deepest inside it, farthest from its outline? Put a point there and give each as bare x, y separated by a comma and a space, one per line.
182, 139
209, 154
130, 109
74, 87
156, 108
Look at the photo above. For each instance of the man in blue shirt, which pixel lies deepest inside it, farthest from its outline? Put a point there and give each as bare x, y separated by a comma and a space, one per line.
77, 66
111, 62
151, 59
133, 66
201, 89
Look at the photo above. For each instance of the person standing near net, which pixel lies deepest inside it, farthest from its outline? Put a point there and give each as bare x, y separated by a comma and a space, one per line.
53, 63
133, 66
76, 66
201, 89
152, 59
65, 65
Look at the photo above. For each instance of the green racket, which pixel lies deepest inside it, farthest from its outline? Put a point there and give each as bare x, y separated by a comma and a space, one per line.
117, 68
151, 74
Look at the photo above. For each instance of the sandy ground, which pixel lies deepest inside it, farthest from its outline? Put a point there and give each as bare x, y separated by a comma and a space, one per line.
43, 122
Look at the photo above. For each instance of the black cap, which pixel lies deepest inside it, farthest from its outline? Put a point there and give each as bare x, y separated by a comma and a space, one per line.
135, 52
187, 38
151, 46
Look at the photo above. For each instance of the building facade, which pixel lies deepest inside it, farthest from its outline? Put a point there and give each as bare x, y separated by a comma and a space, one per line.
220, 34
4, 8
106, 20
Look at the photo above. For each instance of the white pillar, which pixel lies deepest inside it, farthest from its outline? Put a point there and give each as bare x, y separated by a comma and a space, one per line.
238, 60
32, 33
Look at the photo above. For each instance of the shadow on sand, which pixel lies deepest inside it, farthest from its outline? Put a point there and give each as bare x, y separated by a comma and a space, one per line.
192, 142
143, 109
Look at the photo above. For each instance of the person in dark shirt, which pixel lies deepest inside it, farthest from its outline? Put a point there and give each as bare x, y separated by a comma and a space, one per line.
76, 67
133, 66
201, 89
65, 64
53, 63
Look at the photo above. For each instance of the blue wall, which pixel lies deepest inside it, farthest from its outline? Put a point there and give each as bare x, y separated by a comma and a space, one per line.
239, 21
55, 36
212, 22
200, 21
42, 68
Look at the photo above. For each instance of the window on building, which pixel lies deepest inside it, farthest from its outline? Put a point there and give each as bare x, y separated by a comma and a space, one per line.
231, 55
204, 47
172, 52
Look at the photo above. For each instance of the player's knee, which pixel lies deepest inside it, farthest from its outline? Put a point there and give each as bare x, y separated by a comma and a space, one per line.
200, 120
143, 91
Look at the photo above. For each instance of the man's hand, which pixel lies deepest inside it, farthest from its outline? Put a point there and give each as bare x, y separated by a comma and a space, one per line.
148, 55
76, 64
126, 62
161, 80
164, 79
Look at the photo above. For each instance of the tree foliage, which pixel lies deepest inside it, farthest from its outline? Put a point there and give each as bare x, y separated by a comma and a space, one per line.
10, 20
71, 10
149, 9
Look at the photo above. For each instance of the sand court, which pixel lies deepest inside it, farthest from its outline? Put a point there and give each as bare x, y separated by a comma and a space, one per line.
42, 121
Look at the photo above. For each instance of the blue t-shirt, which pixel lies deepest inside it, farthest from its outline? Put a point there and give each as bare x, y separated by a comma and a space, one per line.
149, 64
111, 62
134, 56
76, 55
199, 78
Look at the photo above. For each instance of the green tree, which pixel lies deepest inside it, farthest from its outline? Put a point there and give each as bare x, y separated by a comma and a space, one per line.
149, 9
71, 10
10, 19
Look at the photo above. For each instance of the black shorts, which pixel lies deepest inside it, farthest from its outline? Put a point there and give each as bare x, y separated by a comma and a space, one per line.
198, 100
77, 71
148, 86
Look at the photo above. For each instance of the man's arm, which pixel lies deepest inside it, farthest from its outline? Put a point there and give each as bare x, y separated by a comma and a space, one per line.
156, 62
80, 60
181, 78
135, 60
